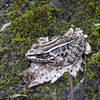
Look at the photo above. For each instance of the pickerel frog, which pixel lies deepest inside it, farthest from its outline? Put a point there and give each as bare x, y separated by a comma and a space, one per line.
51, 58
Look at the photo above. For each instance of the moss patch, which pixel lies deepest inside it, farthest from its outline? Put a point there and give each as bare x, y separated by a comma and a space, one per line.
41, 19
19, 37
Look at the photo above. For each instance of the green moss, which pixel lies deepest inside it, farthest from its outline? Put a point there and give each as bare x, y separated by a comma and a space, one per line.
41, 2
94, 59
19, 37
86, 15
31, 25
41, 19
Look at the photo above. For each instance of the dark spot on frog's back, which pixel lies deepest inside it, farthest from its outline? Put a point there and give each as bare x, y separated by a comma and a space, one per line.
39, 56
63, 48
71, 58
43, 55
46, 55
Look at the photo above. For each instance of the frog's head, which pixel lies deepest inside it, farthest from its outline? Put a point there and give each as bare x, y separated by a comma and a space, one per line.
31, 52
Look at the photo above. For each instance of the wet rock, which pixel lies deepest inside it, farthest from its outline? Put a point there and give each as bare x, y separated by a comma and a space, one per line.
97, 86
86, 13
80, 90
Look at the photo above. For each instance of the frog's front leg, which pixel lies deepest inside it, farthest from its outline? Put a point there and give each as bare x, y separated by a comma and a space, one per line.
58, 61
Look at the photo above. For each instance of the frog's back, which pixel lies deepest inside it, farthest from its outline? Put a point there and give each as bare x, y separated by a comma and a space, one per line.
70, 46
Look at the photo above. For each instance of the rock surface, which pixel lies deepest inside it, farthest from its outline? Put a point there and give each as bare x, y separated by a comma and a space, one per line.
30, 22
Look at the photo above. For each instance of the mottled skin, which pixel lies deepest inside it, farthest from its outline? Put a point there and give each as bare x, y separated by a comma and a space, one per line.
71, 45
52, 58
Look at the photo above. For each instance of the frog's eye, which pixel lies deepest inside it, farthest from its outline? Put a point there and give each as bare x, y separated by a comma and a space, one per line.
35, 46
